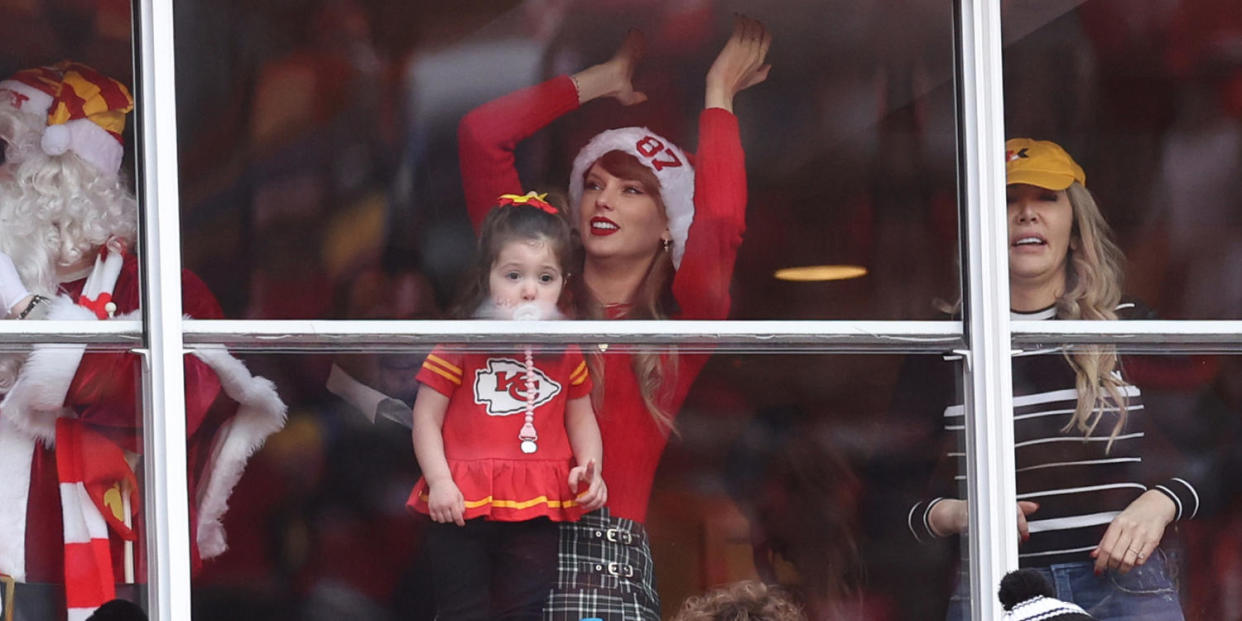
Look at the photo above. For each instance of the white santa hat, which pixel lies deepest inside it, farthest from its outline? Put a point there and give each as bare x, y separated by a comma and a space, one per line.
669, 164
84, 110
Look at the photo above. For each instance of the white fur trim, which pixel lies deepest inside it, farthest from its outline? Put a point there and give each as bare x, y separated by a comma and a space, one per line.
16, 452
38, 396
29, 411
91, 142
676, 181
260, 413
28, 98
28, 414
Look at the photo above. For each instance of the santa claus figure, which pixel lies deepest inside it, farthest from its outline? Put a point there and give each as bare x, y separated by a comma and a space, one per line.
71, 527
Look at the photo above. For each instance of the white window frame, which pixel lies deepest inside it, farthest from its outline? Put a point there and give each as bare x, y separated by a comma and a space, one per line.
986, 337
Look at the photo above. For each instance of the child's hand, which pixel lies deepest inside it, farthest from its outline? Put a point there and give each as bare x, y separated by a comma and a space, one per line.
446, 504
596, 493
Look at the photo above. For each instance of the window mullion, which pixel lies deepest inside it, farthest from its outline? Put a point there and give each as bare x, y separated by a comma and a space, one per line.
164, 424
988, 389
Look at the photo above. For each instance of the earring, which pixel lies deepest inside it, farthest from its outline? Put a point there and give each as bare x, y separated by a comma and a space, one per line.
668, 245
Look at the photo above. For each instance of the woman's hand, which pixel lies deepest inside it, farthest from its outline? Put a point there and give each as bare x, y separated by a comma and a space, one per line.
740, 64
445, 503
1025, 508
1133, 535
951, 517
948, 517
614, 78
596, 493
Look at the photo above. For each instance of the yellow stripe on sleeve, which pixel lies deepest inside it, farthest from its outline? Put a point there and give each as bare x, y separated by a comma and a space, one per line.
444, 363
580, 374
456, 379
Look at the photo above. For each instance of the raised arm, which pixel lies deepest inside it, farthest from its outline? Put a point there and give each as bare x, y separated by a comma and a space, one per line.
488, 135
740, 65
702, 283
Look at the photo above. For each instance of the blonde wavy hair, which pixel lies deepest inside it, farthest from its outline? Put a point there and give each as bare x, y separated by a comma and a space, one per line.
1093, 278
654, 370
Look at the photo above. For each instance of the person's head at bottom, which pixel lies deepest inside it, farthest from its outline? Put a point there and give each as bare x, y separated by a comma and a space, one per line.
1026, 595
748, 600
118, 610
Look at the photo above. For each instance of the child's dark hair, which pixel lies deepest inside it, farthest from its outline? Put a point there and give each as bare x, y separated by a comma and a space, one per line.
503, 224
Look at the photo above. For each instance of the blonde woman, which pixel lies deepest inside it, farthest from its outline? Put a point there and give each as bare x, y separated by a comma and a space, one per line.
1091, 512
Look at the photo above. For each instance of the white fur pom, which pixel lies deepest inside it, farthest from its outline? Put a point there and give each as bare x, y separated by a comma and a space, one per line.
56, 140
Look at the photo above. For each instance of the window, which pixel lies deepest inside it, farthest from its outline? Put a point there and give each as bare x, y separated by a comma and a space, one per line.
304, 164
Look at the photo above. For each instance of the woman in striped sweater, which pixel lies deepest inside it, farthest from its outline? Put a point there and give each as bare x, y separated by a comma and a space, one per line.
1091, 511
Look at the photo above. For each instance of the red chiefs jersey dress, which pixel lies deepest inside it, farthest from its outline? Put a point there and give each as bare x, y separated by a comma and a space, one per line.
487, 407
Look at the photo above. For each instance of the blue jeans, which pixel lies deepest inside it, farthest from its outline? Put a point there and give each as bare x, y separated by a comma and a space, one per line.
1146, 593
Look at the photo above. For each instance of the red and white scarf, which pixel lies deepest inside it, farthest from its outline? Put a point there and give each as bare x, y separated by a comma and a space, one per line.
91, 469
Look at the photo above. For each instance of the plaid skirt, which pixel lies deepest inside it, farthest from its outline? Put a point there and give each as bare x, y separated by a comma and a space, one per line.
604, 571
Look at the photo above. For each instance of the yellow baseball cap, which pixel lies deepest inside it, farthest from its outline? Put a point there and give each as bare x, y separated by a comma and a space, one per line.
1041, 163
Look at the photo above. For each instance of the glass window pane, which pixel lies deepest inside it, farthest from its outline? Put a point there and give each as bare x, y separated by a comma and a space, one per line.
71, 446
1146, 497
1146, 98
322, 161
71, 439
920, 465
781, 469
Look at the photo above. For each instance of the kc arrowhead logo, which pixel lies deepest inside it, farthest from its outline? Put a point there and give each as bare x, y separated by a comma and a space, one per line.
501, 387
1020, 154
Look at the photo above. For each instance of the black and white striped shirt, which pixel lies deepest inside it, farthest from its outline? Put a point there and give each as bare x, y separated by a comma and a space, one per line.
1080, 483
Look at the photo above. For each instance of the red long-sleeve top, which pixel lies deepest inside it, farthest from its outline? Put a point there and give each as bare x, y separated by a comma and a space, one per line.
633, 442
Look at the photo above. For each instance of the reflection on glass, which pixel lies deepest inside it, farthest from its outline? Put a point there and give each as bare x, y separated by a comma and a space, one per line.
345, 198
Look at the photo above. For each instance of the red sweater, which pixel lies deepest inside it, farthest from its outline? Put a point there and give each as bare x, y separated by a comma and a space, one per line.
633, 442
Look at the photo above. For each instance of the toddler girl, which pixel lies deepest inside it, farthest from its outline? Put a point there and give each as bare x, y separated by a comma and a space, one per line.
507, 441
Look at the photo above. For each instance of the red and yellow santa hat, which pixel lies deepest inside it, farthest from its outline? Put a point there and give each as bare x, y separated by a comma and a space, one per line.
85, 110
